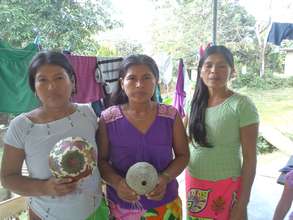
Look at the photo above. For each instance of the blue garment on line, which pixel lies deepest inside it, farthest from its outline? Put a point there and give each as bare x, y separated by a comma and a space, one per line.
279, 32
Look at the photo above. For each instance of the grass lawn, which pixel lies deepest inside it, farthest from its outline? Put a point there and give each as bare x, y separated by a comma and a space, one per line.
275, 108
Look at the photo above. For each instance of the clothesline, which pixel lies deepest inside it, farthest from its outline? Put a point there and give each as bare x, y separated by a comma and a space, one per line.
13, 49
189, 56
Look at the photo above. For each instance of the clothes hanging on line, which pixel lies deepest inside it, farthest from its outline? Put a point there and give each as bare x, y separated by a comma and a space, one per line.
87, 89
280, 32
180, 93
16, 95
108, 72
165, 66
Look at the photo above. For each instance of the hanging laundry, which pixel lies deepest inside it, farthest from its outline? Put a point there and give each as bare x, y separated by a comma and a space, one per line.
16, 95
108, 72
280, 32
180, 94
87, 89
165, 66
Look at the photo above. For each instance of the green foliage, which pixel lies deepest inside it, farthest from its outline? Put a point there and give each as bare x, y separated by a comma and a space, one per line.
235, 25
188, 25
125, 47
105, 51
120, 48
275, 59
61, 24
267, 82
181, 28
263, 146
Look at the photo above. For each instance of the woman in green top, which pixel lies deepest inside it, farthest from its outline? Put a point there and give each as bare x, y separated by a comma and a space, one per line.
223, 128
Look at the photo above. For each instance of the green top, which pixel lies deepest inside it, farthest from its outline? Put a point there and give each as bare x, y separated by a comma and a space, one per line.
16, 96
223, 123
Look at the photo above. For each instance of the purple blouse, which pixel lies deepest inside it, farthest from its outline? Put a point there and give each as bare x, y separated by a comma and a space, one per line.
128, 145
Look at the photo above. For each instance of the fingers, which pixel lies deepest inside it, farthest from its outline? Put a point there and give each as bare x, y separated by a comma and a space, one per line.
126, 193
159, 191
159, 195
61, 187
63, 180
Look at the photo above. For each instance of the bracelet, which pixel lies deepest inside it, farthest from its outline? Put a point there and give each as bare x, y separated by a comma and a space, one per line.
167, 175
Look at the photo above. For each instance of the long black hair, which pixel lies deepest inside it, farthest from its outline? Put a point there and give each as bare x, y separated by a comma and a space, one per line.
199, 103
119, 97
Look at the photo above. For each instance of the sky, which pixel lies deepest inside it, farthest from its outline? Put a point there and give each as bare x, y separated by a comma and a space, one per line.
136, 15
280, 11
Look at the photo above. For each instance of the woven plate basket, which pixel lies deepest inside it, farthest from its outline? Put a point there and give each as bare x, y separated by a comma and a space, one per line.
72, 157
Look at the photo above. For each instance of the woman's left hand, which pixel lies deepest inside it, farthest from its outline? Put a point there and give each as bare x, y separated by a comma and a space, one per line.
238, 212
159, 191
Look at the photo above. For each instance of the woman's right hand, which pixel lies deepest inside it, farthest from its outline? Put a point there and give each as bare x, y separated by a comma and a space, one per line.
60, 187
125, 192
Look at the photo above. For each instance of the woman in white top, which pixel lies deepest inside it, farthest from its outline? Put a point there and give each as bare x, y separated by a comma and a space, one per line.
32, 135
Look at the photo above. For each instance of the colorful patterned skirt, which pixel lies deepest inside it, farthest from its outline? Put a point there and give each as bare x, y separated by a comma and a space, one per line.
170, 211
210, 200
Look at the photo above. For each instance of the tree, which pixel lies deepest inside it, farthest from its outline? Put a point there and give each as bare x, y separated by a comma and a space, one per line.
68, 24
188, 25
181, 27
125, 47
262, 29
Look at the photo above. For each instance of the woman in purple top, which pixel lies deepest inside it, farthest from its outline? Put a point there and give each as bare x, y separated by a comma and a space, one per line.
286, 199
136, 129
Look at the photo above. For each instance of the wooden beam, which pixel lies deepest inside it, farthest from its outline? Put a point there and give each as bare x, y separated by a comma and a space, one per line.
12, 207
277, 139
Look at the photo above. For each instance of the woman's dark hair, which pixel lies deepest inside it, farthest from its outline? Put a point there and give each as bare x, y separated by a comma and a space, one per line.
49, 57
119, 97
199, 103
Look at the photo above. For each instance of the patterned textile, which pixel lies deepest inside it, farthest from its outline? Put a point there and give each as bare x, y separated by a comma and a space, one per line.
170, 211
107, 72
209, 200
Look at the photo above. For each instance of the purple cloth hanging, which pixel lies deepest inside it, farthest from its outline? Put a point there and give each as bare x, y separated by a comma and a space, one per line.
180, 94
88, 90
